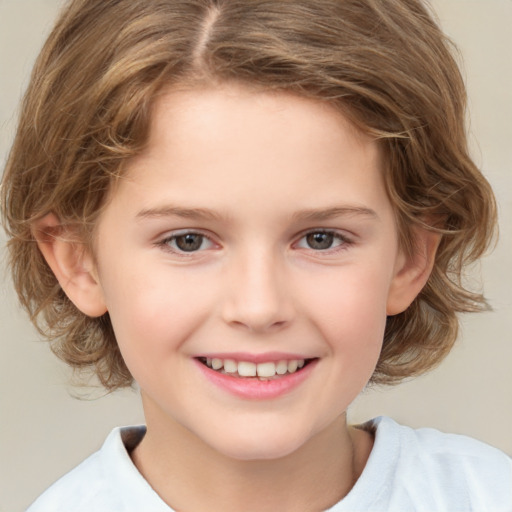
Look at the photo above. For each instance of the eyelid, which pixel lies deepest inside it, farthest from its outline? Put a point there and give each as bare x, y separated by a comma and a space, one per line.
163, 241
346, 240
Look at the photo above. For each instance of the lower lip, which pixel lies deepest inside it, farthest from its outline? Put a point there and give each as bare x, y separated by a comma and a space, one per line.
254, 389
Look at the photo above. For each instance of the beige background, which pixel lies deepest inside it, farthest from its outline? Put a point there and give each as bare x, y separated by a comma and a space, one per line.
45, 432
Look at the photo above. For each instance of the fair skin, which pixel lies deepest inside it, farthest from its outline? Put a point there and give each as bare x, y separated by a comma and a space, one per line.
254, 228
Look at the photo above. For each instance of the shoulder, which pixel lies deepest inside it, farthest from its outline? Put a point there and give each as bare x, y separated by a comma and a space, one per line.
105, 481
435, 448
70, 491
451, 468
425, 470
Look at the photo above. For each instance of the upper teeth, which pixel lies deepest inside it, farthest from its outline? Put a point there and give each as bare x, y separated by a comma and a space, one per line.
248, 369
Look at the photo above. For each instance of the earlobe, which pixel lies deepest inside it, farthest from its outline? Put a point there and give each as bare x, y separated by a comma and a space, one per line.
413, 271
71, 264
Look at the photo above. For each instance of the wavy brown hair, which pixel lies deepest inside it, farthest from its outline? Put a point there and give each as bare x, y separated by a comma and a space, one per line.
383, 63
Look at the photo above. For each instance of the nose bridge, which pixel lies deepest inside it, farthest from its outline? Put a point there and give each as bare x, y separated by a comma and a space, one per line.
257, 295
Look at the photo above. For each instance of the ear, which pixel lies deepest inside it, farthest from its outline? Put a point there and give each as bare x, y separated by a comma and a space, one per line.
72, 265
412, 272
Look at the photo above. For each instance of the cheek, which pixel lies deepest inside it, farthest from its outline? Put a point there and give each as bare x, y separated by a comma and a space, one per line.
153, 311
350, 310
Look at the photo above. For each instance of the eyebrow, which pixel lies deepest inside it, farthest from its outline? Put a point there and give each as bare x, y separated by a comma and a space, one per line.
312, 214
173, 211
319, 214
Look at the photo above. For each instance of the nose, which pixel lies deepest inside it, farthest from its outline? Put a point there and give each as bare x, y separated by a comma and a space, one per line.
257, 294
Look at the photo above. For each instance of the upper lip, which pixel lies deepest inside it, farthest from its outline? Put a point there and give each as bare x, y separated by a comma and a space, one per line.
255, 358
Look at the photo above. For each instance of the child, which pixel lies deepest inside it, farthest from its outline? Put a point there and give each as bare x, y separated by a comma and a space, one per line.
252, 209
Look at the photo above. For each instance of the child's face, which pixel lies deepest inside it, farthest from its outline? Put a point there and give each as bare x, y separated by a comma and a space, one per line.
254, 228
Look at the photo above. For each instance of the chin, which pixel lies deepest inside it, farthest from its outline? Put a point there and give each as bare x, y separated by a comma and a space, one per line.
258, 453
258, 446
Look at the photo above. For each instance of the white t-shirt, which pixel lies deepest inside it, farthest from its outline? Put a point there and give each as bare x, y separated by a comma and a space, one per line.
408, 470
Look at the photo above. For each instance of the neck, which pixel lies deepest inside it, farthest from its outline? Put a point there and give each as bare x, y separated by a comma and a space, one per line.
190, 475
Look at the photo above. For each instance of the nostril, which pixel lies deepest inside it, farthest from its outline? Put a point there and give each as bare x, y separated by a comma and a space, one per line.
255, 326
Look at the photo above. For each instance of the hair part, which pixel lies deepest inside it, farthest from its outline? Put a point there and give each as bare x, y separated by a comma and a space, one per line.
385, 64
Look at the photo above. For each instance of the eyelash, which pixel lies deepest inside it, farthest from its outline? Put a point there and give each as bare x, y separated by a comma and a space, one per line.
344, 242
165, 243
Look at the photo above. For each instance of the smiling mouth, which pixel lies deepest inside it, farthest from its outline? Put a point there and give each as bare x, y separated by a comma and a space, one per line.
262, 371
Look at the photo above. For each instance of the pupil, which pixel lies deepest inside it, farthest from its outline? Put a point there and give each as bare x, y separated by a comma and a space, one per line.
189, 242
320, 241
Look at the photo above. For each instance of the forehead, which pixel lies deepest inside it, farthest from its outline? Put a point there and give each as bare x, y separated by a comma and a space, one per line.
252, 115
231, 146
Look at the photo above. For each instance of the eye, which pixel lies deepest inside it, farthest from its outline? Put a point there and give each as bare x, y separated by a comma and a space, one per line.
187, 242
322, 240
